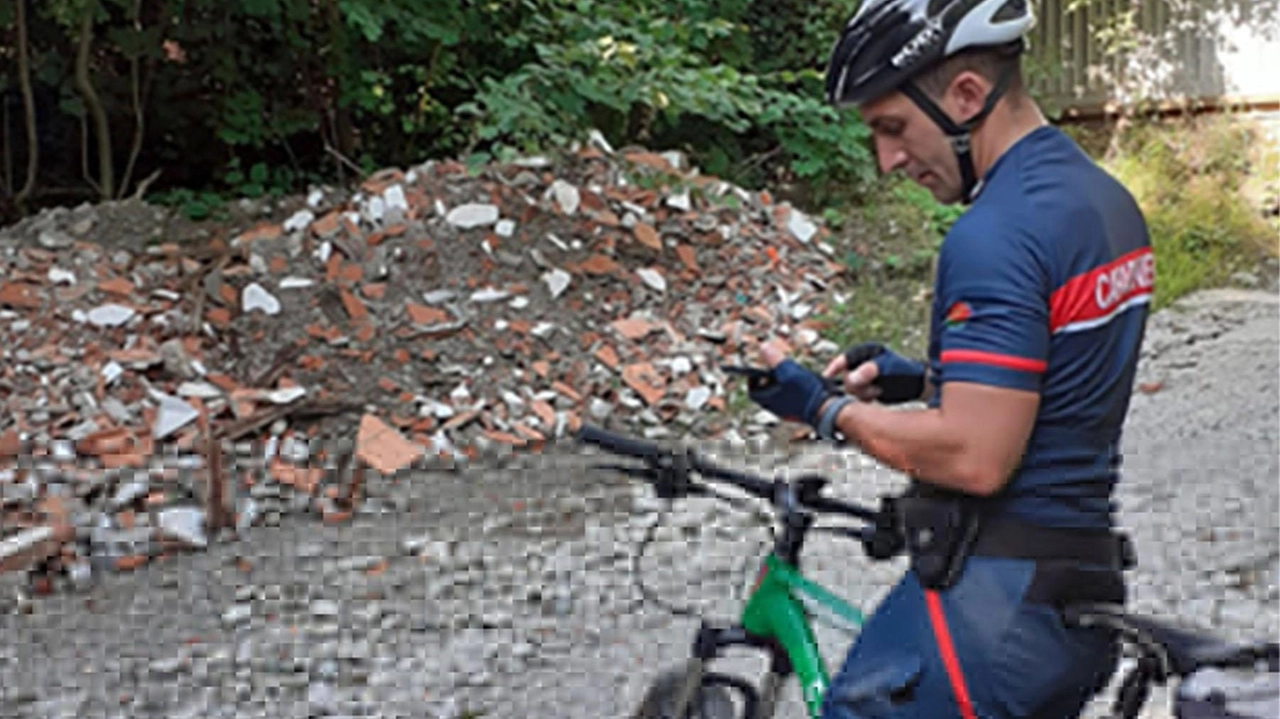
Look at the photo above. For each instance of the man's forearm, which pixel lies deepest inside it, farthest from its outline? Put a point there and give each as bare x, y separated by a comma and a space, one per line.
918, 442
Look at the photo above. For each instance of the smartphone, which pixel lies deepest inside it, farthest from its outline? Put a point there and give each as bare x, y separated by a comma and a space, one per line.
761, 377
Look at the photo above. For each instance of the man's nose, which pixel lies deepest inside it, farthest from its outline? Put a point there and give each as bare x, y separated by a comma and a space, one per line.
890, 155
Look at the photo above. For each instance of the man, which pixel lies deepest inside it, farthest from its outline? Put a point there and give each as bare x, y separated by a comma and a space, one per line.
1039, 309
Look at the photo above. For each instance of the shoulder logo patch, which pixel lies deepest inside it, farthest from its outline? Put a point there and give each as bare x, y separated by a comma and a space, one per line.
958, 314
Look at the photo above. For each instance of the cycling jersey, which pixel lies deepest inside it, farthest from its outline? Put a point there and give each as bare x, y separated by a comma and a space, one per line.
1043, 285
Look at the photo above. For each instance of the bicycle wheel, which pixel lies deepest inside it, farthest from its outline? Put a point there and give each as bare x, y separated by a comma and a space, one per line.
711, 702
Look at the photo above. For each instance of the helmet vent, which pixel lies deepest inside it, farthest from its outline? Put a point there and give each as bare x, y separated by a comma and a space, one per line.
1011, 10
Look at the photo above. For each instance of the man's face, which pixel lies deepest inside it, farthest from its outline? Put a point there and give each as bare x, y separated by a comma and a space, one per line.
907, 140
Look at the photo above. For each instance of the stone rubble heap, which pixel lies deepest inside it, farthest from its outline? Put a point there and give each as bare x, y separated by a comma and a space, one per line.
155, 400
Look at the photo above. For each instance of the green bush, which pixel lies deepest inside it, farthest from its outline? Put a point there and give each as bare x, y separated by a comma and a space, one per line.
1188, 177
312, 89
639, 74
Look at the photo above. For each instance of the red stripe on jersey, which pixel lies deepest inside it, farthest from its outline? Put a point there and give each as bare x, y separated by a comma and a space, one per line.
994, 358
1097, 293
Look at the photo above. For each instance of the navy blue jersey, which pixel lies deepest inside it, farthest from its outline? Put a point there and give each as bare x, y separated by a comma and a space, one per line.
1043, 285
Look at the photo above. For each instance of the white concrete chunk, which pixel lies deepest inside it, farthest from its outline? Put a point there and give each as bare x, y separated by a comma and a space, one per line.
472, 215
185, 524
489, 294
652, 278
110, 315
567, 196
59, 276
255, 298
395, 199
557, 281
174, 414
697, 398
801, 226
302, 219
111, 371
203, 390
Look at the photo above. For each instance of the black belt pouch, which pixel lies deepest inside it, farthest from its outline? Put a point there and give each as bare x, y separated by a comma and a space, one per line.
940, 534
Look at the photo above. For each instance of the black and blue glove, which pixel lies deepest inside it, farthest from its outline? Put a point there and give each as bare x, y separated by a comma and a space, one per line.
899, 379
790, 390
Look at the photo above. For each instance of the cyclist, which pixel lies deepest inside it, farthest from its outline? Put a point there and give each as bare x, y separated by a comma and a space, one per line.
1039, 309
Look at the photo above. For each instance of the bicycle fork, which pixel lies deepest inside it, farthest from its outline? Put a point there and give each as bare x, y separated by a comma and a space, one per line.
711, 640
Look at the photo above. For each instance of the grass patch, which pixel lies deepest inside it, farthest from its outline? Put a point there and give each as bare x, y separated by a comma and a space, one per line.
1202, 183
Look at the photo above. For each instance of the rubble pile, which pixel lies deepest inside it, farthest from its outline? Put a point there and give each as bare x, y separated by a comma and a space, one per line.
158, 395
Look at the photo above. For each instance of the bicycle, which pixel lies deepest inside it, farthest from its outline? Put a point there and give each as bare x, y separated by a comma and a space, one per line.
777, 613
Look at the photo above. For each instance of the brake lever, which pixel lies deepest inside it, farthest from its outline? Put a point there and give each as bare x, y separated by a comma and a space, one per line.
809, 488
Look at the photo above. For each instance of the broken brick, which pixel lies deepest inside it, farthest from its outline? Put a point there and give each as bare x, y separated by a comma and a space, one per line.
599, 265
633, 329
354, 307
648, 236
382, 447
608, 356
645, 380
20, 295
117, 286
426, 315
687, 256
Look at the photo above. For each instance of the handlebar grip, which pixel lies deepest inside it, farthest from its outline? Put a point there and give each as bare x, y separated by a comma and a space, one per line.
618, 444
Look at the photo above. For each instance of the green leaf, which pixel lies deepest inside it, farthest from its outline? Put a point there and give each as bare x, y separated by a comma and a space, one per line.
260, 8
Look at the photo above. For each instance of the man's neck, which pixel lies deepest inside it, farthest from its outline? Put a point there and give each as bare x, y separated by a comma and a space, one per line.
1002, 129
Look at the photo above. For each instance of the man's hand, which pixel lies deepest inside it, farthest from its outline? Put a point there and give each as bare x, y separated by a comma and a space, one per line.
862, 372
794, 392
875, 372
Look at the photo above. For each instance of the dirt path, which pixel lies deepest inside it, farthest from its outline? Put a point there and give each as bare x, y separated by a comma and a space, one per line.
507, 592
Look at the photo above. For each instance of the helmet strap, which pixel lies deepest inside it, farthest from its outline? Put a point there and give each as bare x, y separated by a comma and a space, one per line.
960, 134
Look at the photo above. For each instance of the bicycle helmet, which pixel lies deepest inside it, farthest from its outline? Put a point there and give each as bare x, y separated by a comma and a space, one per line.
889, 42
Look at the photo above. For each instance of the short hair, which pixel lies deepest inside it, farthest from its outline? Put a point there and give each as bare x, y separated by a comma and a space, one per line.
990, 63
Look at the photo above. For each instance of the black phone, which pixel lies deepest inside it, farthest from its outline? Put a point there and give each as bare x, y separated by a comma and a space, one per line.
747, 371
758, 378
761, 377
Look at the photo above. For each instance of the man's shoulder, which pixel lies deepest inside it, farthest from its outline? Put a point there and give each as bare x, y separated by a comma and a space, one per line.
985, 230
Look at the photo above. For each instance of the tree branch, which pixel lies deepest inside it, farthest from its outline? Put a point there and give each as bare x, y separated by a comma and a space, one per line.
29, 103
8, 152
145, 184
139, 116
343, 159
84, 154
93, 104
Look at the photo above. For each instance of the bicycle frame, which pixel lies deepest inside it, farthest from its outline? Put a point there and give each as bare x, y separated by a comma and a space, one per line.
776, 618
780, 607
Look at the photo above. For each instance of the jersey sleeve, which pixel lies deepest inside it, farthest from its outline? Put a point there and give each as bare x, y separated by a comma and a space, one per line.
993, 292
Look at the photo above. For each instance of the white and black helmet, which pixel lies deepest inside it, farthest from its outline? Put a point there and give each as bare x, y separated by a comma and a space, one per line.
888, 42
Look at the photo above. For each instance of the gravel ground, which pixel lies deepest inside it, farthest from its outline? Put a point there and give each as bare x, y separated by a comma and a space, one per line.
508, 593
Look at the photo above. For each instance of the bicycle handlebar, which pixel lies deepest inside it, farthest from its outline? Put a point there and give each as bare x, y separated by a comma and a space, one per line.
659, 458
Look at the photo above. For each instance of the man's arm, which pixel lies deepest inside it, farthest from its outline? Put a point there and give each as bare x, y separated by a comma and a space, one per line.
972, 443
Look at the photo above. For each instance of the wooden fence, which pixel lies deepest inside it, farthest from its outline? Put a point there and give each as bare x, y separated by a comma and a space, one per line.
1090, 55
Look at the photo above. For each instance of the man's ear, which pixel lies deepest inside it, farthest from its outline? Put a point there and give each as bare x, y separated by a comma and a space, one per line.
966, 94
